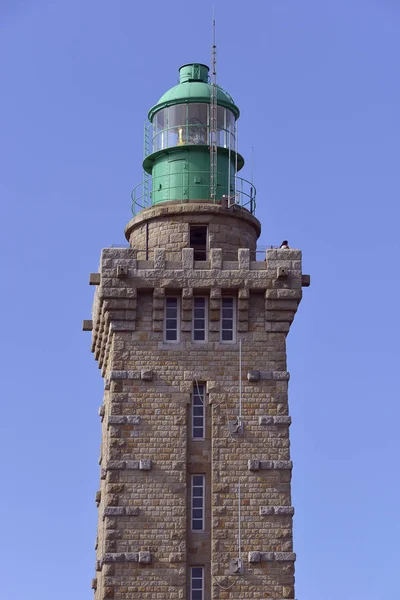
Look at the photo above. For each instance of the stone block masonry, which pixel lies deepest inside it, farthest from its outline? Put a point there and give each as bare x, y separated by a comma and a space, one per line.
167, 227
145, 543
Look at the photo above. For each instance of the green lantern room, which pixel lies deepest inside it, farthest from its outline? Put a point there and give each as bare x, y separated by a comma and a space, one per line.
190, 146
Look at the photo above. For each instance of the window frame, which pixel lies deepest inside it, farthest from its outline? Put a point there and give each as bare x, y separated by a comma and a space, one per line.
192, 567
202, 396
178, 319
205, 298
234, 320
192, 227
193, 508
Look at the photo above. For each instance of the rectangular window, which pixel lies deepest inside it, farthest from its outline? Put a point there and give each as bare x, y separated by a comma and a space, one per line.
171, 320
198, 241
198, 502
200, 319
228, 319
198, 411
196, 583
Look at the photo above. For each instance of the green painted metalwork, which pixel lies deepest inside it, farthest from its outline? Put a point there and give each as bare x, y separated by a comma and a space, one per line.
193, 72
244, 196
186, 175
177, 141
193, 90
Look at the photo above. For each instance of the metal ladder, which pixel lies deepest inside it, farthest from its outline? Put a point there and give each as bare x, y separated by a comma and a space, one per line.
146, 177
213, 121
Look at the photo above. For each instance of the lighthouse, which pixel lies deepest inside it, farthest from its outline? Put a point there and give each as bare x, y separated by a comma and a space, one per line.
189, 329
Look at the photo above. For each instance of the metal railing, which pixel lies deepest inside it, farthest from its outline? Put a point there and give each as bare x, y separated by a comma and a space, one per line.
245, 195
152, 191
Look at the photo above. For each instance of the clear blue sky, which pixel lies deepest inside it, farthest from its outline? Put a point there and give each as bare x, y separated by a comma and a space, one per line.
319, 89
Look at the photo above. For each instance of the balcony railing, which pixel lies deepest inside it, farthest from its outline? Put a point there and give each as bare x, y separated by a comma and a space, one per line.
166, 188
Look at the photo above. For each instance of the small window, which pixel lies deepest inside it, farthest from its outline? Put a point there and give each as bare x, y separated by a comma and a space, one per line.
228, 319
200, 319
171, 320
198, 241
196, 583
198, 411
198, 502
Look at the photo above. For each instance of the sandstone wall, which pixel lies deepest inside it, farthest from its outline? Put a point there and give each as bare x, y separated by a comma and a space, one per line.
145, 546
168, 227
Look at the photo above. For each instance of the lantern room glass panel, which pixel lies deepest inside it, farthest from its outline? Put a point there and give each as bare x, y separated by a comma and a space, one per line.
160, 121
198, 123
183, 124
177, 121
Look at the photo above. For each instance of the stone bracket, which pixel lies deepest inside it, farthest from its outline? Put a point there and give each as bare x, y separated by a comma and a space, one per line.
276, 511
143, 464
120, 511
123, 420
280, 420
268, 465
143, 558
268, 375
256, 557
144, 375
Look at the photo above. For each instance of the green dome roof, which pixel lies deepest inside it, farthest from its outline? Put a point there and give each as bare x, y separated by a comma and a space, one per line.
193, 91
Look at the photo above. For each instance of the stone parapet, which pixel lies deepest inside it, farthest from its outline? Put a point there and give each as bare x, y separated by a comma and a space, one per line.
115, 305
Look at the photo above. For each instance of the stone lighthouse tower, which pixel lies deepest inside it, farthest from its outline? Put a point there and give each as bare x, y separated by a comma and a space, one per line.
189, 331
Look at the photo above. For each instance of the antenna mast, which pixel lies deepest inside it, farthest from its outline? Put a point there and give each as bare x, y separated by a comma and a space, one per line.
213, 116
